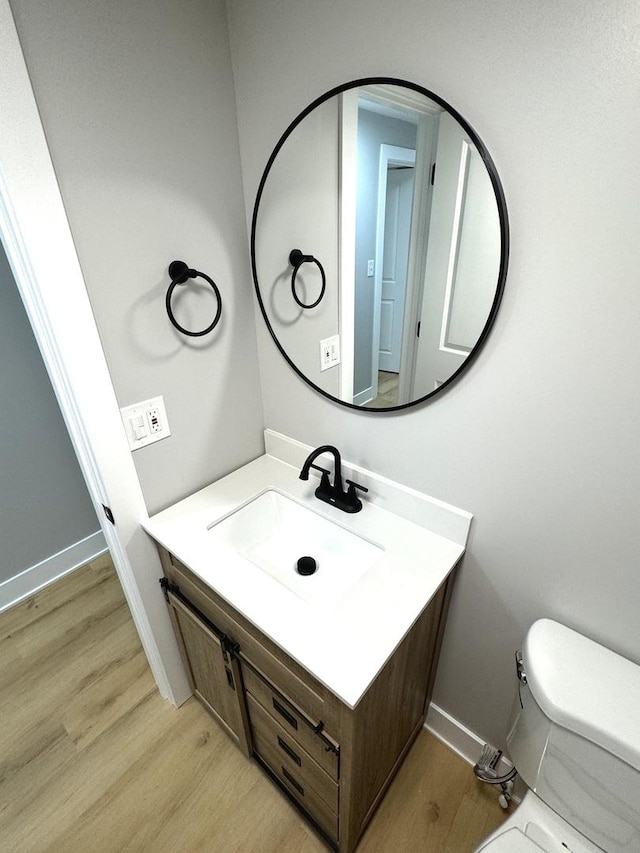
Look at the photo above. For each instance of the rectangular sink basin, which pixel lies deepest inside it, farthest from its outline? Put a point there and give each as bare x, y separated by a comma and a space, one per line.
273, 532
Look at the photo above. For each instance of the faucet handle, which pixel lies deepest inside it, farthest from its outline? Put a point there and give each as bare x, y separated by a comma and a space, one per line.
352, 500
320, 468
324, 479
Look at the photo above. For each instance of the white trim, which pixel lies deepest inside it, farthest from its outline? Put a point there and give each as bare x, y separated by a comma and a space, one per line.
36, 577
364, 397
348, 191
426, 141
41, 252
390, 155
390, 98
452, 266
461, 740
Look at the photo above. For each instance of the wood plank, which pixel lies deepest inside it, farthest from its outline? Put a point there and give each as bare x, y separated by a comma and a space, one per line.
58, 594
112, 693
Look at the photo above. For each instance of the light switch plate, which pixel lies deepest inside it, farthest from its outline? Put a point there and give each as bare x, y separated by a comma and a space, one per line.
145, 422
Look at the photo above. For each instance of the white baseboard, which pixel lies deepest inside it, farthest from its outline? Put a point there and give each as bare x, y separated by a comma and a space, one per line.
29, 581
363, 397
461, 740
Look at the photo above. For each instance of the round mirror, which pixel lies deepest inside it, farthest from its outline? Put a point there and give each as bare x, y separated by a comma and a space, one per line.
379, 244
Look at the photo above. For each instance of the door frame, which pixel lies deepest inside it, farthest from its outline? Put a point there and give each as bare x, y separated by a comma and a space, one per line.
394, 156
347, 196
40, 249
383, 94
390, 155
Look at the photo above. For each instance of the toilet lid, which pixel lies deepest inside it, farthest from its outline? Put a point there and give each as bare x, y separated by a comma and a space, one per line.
512, 841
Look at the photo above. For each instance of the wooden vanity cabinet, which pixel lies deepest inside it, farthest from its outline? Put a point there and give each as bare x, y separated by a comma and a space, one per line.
334, 762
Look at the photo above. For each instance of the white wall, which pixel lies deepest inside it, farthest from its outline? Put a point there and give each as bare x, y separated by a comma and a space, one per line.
540, 439
137, 103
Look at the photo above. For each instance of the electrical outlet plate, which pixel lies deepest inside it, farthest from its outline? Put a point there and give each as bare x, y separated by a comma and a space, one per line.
329, 352
145, 422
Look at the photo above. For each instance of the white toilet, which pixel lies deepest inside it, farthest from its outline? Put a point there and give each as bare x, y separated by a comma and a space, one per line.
575, 741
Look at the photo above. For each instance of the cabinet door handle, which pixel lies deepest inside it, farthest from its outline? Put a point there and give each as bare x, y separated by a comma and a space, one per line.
286, 748
229, 678
293, 782
285, 714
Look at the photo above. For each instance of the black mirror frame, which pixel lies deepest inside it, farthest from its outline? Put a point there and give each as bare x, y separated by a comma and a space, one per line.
504, 235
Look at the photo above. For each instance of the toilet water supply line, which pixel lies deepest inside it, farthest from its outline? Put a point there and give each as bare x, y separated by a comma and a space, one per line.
486, 767
486, 771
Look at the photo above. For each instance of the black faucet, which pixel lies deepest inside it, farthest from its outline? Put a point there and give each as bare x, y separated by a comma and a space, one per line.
335, 495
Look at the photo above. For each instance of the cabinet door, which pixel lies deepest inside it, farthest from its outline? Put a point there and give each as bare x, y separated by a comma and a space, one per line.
214, 673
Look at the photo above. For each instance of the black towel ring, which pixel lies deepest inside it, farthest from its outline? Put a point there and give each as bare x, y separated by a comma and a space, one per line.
180, 273
297, 259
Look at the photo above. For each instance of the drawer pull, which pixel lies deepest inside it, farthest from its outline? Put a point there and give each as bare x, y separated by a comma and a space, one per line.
293, 782
284, 713
286, 748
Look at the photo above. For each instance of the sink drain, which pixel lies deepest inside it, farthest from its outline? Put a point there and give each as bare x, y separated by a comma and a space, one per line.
306, 566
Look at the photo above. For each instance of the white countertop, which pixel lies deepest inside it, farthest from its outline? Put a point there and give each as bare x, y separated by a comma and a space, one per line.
344, 645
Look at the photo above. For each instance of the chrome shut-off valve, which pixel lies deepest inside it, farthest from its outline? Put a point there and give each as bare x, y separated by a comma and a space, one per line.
522, 675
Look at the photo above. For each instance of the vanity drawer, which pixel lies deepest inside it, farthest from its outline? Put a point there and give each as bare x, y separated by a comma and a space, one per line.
252, 648
298, 726
270, 737
299, 788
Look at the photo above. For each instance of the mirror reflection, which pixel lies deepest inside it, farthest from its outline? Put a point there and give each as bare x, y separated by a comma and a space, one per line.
394, 205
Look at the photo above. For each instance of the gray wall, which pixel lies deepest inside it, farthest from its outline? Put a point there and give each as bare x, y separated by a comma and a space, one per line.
540, 439
137, 103
44, 504
305, 175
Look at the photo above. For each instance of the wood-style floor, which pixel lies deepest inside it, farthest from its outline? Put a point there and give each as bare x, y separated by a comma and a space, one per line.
388, 387
93, 759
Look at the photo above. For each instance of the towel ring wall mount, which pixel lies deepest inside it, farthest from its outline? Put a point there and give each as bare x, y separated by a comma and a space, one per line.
180, 273
297, 259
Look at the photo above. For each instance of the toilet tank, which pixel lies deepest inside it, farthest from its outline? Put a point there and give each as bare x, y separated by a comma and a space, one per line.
574, 736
